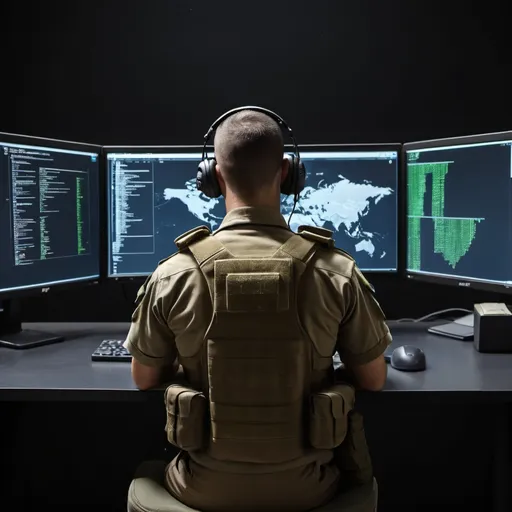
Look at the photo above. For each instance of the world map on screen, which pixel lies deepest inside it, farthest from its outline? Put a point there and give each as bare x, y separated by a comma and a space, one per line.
360, 212
342, 207
199, 206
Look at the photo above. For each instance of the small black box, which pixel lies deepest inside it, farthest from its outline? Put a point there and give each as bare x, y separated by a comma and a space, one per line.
493, 328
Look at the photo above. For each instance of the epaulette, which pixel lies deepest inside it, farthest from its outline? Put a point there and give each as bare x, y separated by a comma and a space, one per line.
191, 236
315, 234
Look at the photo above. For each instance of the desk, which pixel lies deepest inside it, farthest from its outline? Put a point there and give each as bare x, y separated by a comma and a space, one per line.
456, 373
64, 371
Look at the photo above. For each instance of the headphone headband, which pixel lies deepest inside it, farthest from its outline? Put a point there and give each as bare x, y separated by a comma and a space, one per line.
292, 184
278, 119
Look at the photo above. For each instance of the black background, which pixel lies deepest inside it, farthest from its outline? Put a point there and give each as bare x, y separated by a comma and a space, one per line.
338, 72
129, 72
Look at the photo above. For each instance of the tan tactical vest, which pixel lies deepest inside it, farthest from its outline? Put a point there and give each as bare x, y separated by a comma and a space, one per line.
259, 359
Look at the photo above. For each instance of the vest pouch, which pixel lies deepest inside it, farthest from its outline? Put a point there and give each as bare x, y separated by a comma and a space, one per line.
186, 417
353, 457
328, 416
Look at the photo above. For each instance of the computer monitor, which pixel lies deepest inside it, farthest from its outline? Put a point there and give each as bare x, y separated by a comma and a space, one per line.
49, 223
152, 200
352, 191
459, 211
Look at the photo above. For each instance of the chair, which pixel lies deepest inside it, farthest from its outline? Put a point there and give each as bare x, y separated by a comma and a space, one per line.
148, 494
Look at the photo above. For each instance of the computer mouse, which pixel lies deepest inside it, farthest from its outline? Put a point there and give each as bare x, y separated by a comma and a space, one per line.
408, 359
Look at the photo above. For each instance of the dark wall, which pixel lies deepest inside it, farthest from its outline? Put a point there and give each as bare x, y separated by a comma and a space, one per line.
131, 72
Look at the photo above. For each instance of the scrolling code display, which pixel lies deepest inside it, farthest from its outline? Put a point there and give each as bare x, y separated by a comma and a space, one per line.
152, 200
459, 212
49, 216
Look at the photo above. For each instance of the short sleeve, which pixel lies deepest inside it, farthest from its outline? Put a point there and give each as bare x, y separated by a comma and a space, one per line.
150, 340
363, 334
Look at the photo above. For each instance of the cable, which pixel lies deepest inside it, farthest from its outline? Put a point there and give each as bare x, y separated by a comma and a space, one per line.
295, 201
434, 314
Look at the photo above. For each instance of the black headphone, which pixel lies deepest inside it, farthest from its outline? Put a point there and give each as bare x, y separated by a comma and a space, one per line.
207, 182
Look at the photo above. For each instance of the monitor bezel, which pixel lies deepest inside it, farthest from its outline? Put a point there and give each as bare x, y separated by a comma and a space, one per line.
371, 147
106, 150
417, 276
43, 290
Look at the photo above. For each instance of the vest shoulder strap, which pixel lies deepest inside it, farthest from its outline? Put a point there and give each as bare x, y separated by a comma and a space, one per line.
306, 242
206, 248
298, 247
316, 234
323, 237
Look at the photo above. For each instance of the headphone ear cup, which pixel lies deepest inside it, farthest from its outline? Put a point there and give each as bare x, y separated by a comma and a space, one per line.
206, 178
301, 176
287, 184
296, 178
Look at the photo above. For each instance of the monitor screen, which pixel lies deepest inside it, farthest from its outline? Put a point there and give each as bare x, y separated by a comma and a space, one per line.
352, 192
49, 214
459, 212
152, 200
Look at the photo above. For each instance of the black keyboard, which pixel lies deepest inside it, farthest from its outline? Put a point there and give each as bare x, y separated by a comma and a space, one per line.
112, 351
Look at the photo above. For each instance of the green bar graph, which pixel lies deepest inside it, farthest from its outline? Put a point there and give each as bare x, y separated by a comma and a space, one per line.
453, 236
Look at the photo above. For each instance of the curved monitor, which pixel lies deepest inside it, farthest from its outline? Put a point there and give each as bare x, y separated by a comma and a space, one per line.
49, 214
459, 211
352, 190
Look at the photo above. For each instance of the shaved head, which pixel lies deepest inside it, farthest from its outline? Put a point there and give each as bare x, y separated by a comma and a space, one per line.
249, 150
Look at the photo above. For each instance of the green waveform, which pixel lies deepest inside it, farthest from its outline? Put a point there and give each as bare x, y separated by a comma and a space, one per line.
452, 236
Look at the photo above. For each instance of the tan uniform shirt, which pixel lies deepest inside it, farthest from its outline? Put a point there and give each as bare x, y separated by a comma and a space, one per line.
336, 309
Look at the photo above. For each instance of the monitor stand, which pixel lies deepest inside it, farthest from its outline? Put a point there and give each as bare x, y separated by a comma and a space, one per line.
460, 329
13, 336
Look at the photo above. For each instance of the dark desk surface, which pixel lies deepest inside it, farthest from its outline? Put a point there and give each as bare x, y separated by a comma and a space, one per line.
64, 371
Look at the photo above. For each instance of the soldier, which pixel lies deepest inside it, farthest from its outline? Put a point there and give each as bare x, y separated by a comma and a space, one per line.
254, 314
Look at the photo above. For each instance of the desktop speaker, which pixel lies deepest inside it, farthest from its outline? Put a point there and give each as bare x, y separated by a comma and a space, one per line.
493, 328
